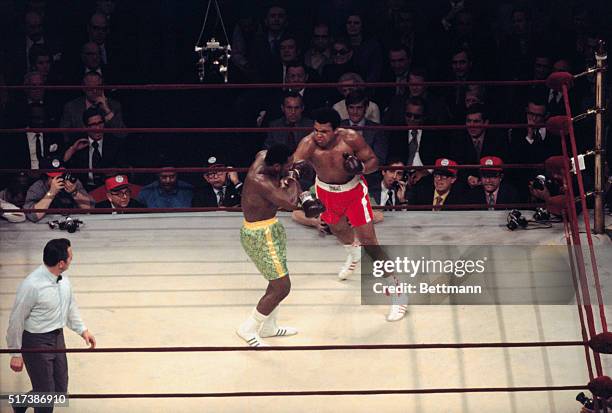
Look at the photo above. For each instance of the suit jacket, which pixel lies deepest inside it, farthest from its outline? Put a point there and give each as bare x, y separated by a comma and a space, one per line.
506, 194
521, 151
376, 139
462, 151
284, 137
16, 152
72, 117
375, 189
206, 197
113, 155
431, 147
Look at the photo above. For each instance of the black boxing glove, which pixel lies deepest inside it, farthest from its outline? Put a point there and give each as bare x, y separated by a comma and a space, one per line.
301, 170
312, 207
352, 164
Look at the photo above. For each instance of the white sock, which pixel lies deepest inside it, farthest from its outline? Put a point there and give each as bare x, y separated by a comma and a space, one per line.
354, 250
270, 322
397, 298
253, 323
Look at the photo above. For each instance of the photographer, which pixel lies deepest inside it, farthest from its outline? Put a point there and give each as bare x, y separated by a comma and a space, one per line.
55, 190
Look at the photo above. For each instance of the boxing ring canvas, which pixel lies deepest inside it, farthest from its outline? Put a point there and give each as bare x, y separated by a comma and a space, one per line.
160, 280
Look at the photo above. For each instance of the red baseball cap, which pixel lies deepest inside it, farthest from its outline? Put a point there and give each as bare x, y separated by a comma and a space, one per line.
491, 161
447, 163
116, 182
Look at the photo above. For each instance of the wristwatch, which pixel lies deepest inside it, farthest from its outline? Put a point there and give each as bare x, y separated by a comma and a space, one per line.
49, 194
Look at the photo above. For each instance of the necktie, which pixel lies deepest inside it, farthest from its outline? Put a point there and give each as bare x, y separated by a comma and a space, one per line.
413, 146
491, 201
477, 147
39, 147
438, 204
537, 137
389, 197
221, 196
96, 158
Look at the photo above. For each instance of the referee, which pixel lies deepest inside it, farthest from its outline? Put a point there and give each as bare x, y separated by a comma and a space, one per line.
43, 306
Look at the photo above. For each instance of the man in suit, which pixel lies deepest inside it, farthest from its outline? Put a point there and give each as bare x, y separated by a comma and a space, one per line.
95, 151
399, 60
356, 104
26, 151
388, 187
73, 111
265, 51
417, 147
222, 189
471, 144
493, 191
292, 107
439, 190
17, 110
118, 194
533, 145
296, 72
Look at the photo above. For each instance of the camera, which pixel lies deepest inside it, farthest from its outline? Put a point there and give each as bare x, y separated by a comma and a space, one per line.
68, 224
515, 220
67, 176
541, 214
541, 182
585, 401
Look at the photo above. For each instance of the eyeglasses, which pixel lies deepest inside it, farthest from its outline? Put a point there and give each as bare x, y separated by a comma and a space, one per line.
124, 193
412, 115
341, 52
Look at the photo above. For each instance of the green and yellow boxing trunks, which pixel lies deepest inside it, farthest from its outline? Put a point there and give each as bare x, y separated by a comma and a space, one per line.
265, 242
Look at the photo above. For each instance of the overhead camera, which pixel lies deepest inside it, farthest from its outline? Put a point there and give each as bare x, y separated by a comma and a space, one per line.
68, 224
515, 220
213, 59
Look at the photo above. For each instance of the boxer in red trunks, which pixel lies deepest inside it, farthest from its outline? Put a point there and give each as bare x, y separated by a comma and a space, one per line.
340, 157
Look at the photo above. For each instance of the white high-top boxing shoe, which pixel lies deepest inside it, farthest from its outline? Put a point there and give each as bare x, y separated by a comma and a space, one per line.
353, 258
270, 329
397, 312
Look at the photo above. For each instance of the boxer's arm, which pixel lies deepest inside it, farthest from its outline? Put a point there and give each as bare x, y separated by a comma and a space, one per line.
283, 197
362, 151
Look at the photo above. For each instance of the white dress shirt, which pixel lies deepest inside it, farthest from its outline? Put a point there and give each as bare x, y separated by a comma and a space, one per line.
32, 142
43, 304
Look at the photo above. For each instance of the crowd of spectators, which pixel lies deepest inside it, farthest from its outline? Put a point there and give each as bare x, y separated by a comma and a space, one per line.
348, 42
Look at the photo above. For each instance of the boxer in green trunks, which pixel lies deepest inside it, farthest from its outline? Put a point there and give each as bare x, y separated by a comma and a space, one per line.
270, 184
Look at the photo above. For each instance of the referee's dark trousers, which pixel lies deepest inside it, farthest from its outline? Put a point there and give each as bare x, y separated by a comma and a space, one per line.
48, 371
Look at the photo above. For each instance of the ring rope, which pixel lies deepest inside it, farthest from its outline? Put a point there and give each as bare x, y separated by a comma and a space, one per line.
302, 348
318, 85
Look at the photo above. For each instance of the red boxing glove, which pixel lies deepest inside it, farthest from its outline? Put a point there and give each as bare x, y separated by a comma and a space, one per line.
352, 164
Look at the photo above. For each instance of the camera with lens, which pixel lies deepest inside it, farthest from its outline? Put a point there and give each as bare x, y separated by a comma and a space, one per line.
585, 401
515, 220
541, 214
541, 182
69, 224
67, 176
